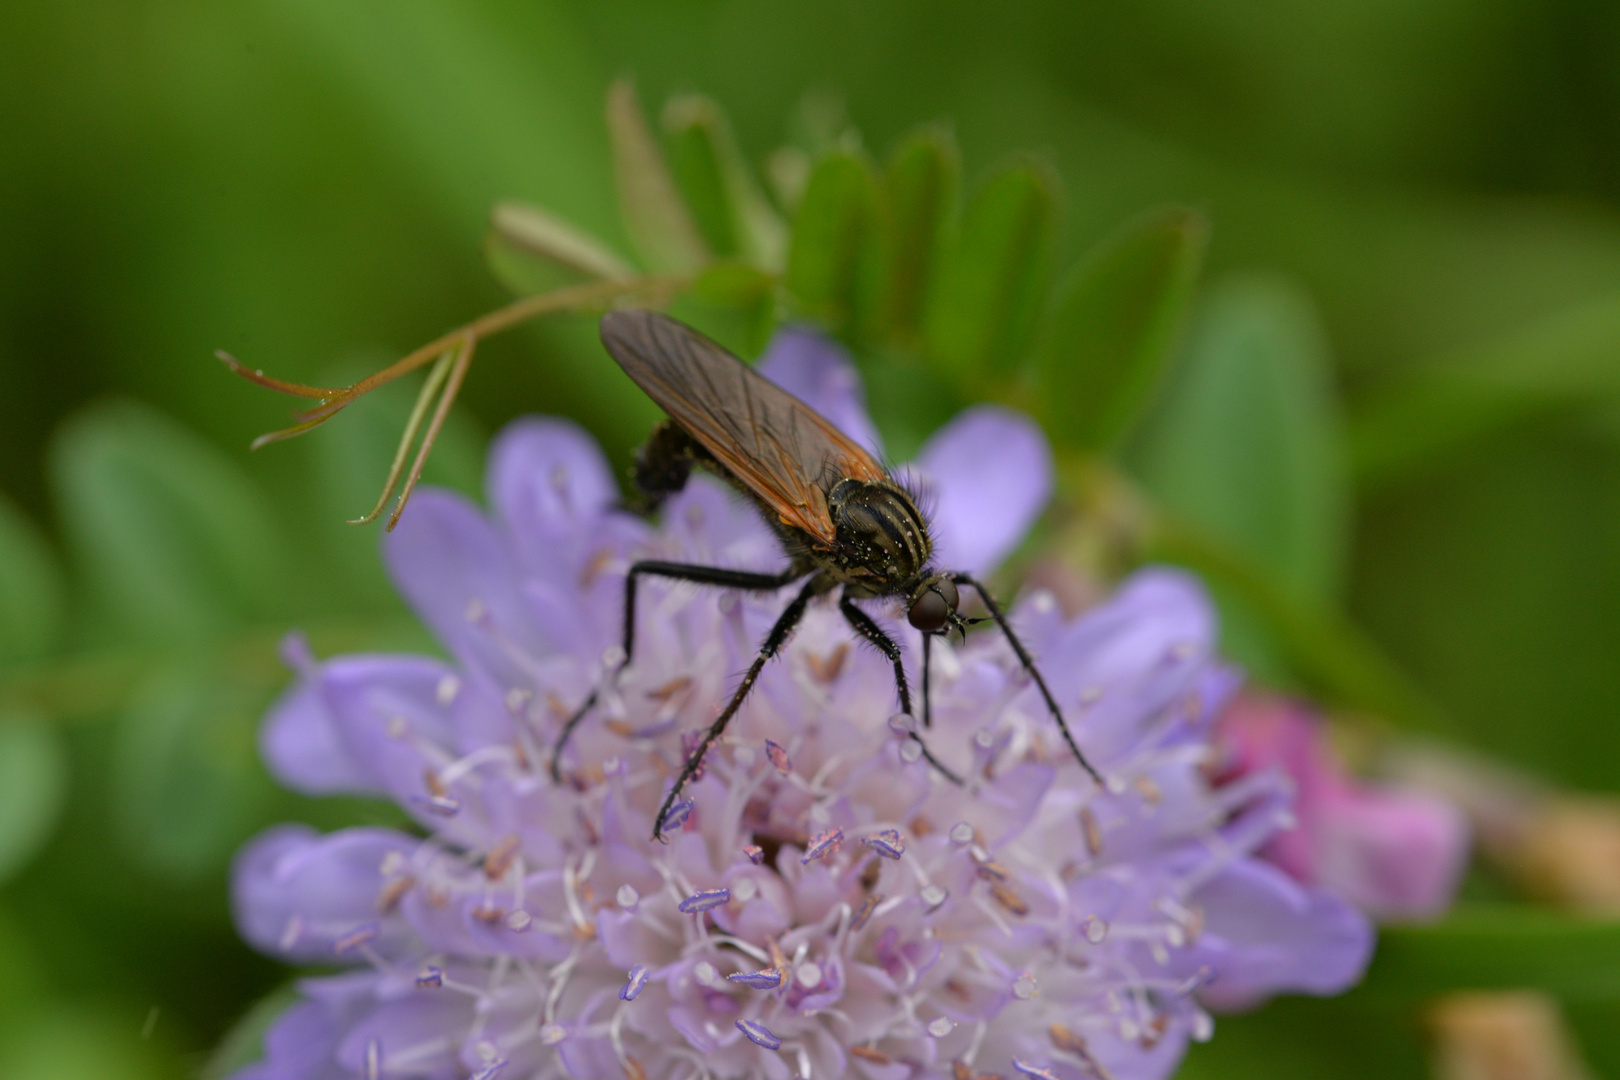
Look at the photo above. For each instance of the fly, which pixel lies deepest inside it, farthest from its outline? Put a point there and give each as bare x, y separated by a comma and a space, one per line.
847, 525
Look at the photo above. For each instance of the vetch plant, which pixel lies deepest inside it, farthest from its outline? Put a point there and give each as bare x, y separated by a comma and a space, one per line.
826, 905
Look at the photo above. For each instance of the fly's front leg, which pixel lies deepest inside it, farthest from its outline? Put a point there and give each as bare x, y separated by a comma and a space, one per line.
928, 711
773, 643
864, 625
716, 576
1029, 666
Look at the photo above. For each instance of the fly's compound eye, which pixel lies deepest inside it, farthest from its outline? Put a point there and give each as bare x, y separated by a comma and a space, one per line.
931, 611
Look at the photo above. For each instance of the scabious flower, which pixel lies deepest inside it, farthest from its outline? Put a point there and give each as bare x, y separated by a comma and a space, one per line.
827, 906
1394, 851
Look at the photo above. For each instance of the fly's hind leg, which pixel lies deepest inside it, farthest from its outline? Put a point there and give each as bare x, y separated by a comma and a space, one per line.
700, 575
664, 463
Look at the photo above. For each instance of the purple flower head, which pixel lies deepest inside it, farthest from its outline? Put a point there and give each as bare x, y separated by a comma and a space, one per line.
1034, 924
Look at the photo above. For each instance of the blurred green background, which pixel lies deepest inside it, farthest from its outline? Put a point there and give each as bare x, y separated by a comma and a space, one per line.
1411, 292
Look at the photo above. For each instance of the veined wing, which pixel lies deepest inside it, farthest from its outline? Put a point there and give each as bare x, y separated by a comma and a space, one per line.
774, 444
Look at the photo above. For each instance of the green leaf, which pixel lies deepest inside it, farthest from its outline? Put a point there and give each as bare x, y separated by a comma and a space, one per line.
1437, 409
733, 284
993, 280
732, 302
659, 222
187, 784
1245, 444
61, 1041
1297, 1038
173, 535
920, 188
729, 208
473, 112
31, 597
1498, 948
1112, 328
531, 251
1496, 582
831, 236
33, 787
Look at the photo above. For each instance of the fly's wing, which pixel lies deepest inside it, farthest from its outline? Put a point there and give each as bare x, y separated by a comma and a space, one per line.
773, 443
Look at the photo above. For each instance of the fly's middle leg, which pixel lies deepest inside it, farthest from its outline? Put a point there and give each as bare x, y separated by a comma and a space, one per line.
716, 576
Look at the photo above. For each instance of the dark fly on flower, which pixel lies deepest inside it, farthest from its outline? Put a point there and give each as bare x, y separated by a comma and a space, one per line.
847, 525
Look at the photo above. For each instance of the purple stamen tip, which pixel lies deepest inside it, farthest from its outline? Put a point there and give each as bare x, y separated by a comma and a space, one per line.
704, 900
442, 805
429, 978
778, 756
1037, 1072
676, 817
755, 853
355, 938
888, 843
759, 1034
824, 844
768, 979
638, 980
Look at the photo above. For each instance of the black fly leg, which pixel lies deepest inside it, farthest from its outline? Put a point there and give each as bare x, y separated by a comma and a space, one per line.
928, 712
701, 575
773, 643
1029, 666
865, 626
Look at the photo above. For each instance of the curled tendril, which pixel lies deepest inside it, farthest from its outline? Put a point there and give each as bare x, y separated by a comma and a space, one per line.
450, 355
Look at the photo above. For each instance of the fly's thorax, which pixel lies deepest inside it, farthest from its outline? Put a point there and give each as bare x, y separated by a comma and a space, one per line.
882, 539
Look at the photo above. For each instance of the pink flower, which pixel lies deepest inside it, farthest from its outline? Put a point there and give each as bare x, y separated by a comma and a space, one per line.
1394, 852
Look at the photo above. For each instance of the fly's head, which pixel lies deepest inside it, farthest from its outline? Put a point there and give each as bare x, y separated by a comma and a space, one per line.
932, 606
